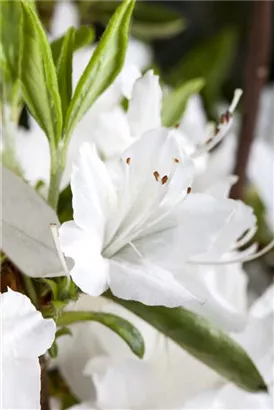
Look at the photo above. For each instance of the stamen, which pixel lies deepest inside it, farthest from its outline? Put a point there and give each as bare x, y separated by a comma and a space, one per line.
54, 232
188, 190
176, 160
128, 160
237, 95
177, 125
221, 129
164, 179
156, 175
224, 119
239, 258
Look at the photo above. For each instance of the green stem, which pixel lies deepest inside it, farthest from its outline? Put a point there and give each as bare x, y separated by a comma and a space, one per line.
55, 177
30, 290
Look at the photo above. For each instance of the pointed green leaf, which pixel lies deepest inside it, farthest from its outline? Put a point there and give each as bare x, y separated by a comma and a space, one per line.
38, 76
202, 340
122, 327
175, 102
155, 21
150, 21
83, 36
105, 64
64, 69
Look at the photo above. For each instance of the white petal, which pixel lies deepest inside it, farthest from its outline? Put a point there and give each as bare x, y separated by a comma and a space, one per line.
21, 384
144, 112
65, 15
146, 283
124, 384
127, 78
191, 230
222, 187
90, 268
139, 53
26, 334
193, 123
111, 133
93, 192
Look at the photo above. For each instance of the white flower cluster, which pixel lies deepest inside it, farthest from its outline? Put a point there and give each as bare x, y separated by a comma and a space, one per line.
152, 222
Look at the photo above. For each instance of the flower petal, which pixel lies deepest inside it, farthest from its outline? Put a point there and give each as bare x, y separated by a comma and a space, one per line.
146, 283
93, 192
90, 268
26, 334
144, 112
21, 384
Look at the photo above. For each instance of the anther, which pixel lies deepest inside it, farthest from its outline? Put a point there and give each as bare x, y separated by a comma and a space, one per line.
188, 190
164, 179
176, 160
156, 175
225, 117
128, 160
209, 140
177, 125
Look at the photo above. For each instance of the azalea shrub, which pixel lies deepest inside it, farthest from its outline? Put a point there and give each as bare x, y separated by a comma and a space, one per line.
123, 278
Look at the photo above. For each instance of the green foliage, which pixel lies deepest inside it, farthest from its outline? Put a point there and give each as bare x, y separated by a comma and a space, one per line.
38, 76
150, 21
210, 60
64, 209
83, 36
59, 389
105, 64
202, 340
64, 69
175, 102
122, 327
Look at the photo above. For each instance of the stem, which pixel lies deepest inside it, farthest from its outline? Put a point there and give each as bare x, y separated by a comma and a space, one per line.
55, 178
256, 73
30, 290
44, 397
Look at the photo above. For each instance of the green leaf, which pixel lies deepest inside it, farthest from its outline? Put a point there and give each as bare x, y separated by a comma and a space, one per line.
64, 70
210, 60
105, 64
202, 340
150, 21
175, 102
62, 332
154, 21
64, 208
53, 350
122, 327
38, 76
10, 38
83, 36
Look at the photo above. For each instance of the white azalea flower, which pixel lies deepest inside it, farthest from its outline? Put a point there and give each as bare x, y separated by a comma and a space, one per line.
25, 337
132, 231
30, 146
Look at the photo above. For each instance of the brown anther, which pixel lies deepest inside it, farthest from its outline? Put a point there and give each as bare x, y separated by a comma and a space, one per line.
209, 140
177, 125
217, 130
156, 175
128, 160
164, 179
176, 160
225, 117
188, 190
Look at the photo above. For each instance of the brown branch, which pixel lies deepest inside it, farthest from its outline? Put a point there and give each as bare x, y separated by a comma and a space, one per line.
256, 73
44, 396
